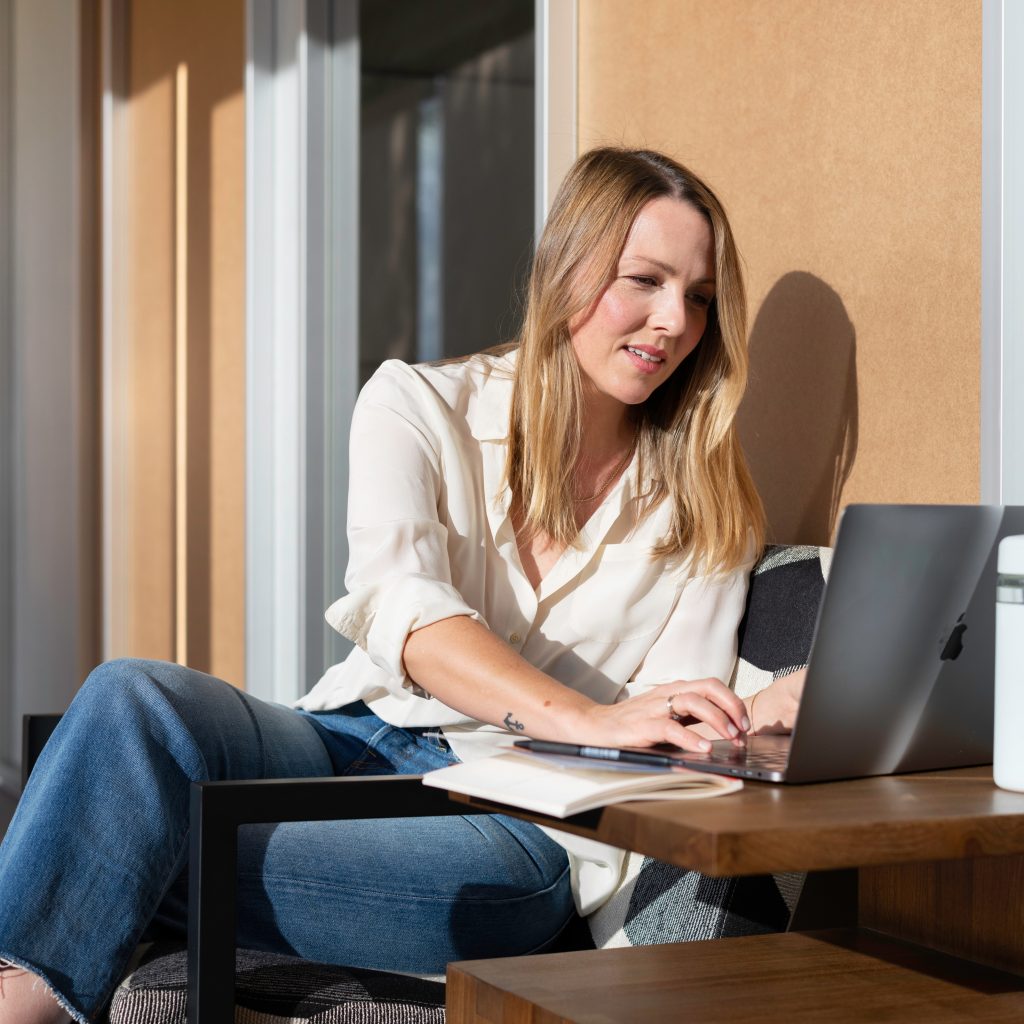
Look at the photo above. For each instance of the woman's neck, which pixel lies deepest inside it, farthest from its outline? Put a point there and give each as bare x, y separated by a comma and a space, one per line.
607, 442
608, 429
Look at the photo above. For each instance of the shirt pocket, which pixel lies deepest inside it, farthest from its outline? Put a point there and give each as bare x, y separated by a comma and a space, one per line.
627, 597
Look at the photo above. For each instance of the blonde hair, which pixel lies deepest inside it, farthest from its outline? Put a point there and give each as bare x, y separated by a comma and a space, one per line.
689, 452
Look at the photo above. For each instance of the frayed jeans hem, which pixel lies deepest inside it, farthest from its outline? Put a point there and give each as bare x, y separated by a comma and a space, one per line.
7, 959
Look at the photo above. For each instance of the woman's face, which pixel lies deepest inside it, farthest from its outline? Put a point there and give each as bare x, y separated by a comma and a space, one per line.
652, 315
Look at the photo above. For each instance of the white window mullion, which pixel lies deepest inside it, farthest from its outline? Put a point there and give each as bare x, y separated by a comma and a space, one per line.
1013, 254
992, 253
115, 353
259, 355
296, 349
1002, 254
313, 256
286, 346
342, 297
555, 34
273, 323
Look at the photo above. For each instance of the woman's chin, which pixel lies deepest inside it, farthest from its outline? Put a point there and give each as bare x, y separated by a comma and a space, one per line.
638, 393
627, 390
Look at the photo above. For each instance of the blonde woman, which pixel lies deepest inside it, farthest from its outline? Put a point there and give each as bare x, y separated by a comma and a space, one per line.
548, 540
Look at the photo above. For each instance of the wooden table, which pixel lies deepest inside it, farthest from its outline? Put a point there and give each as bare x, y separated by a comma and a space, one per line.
939, 934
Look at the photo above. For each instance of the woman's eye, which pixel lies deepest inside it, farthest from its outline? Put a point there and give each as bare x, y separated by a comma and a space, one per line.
644, 282
700, 299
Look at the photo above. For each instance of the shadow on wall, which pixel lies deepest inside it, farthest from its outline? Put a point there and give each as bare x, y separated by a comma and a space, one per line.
798, 421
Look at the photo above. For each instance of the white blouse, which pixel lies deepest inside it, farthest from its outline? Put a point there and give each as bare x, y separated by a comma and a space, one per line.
430, 537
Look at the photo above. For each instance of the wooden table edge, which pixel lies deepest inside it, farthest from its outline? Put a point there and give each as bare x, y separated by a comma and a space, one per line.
702, 838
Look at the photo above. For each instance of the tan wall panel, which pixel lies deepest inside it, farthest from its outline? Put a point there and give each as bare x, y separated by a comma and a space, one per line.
181, 591
845, 141
145, 534
226, 639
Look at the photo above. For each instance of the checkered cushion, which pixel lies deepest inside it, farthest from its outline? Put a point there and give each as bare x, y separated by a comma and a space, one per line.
659, 903
782, 608
274, 989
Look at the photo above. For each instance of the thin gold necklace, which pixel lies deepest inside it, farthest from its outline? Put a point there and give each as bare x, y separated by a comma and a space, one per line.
612, 476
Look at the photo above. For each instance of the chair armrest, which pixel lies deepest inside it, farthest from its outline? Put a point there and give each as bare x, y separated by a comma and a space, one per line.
218, 808
35, 731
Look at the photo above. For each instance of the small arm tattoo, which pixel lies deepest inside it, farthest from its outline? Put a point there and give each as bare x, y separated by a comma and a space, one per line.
511, 723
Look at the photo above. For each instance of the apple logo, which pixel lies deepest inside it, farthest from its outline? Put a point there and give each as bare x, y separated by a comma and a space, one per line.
954, 644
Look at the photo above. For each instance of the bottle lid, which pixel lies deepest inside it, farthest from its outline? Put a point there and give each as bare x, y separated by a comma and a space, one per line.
1011, 556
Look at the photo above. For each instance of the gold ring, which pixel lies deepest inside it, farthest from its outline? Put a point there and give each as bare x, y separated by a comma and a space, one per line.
671, 711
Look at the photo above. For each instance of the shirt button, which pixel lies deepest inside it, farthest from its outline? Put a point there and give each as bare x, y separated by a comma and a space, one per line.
514, 638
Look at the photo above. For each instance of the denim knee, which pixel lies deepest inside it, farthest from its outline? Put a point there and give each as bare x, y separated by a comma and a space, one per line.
113, 682
155, 691
210, 729
133, 703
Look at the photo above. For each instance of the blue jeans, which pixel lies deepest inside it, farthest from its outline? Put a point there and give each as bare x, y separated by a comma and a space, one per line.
98, 844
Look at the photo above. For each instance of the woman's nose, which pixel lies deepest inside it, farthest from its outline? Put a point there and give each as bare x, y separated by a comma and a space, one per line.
670, 313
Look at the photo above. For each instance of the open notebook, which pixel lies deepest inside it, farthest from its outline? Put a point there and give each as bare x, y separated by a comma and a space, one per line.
564, 786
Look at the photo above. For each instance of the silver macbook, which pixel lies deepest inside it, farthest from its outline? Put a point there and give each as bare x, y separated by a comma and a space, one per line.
900, 675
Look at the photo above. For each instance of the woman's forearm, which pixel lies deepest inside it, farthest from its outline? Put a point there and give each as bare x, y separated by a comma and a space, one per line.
460, 662
463, 664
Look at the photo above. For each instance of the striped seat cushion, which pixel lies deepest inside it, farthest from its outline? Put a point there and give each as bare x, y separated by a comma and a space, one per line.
276, 989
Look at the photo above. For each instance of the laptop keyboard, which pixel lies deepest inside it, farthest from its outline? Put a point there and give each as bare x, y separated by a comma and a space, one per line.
772, 759
766, 759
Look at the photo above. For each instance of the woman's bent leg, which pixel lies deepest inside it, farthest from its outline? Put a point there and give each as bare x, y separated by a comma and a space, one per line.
101, 829
405, 894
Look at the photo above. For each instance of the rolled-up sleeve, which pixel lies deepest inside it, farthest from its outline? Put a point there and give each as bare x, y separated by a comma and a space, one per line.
399, 576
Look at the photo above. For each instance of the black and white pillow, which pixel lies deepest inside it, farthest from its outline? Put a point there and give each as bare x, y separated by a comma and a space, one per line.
658, 903
775, 633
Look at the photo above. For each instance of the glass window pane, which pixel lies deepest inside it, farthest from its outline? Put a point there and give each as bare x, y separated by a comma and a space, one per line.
446, 176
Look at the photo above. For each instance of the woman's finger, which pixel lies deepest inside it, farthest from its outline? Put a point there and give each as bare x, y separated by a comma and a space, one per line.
696, 706
687, 739
719, 694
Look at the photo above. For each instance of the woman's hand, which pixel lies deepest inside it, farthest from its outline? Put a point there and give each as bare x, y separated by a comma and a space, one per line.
664, 714
773, 709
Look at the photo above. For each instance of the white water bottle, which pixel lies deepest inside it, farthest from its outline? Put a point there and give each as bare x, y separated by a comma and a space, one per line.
1008, 749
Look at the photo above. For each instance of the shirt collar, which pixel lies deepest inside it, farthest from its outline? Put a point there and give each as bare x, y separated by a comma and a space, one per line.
489, 416
488, 420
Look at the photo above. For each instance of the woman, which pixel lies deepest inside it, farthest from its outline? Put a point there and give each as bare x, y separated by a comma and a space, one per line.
548, 540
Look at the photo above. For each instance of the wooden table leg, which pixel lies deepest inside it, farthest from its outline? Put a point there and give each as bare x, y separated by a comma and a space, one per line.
971, 908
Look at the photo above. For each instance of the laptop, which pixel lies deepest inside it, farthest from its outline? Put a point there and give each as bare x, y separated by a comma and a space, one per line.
900, 676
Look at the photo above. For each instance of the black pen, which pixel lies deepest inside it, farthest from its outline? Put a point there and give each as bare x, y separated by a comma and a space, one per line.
599, 753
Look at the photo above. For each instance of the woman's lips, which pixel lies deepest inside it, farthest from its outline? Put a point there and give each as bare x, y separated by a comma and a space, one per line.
645, 358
